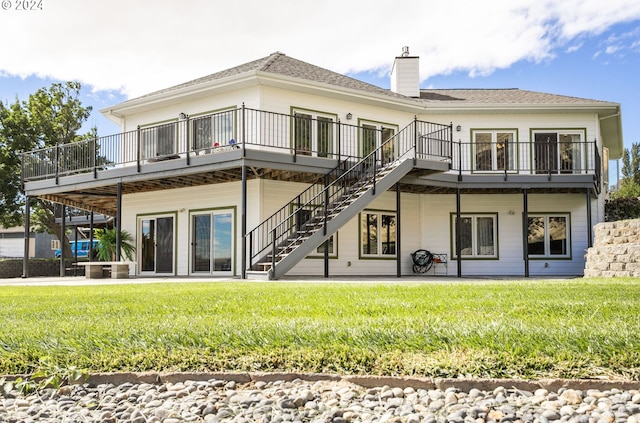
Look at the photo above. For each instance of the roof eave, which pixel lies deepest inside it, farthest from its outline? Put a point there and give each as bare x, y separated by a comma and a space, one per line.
611, 132
178, 95
601, 108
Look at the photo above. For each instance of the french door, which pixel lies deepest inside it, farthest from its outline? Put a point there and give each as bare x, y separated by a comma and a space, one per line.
156, 244
558, 152
313, 135
212, 242
373, 136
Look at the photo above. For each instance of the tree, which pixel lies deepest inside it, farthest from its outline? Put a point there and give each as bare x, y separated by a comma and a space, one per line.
625, 203
630, 182
631, 164
16, 135
51, 116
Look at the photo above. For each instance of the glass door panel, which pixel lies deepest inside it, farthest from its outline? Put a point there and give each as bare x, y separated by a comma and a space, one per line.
212, 242
164, 249
156, 245
303, 134
222, 242
570, 153
387, 145
546, 152
148, 245
202, 243
325, 136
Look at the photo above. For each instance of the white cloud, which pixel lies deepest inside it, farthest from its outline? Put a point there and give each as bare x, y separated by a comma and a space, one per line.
575, 47
613, 49
141, 46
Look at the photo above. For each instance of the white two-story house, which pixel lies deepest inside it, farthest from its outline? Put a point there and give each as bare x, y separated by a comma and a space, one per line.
279, 167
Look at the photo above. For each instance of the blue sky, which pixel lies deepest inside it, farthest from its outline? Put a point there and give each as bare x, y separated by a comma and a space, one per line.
120, 49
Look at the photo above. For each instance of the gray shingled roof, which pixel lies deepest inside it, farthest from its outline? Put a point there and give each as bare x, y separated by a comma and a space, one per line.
500, 96
281, 64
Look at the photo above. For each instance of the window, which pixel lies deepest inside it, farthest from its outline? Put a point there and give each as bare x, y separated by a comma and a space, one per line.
375, 135
377, 234
558, 151
212, 131
494, 150
159, 141
478, 235
332, 250
548, 235
314, 133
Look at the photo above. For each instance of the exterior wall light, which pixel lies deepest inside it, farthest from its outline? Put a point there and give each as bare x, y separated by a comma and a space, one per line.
349, 116
458, 128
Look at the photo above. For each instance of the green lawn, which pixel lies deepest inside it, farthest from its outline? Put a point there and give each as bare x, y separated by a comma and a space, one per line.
526, 329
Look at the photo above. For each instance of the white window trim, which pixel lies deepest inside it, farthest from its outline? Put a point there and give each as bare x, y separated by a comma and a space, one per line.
474, 235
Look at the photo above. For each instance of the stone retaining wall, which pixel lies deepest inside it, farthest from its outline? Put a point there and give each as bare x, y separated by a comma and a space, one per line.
12, 268
615, 251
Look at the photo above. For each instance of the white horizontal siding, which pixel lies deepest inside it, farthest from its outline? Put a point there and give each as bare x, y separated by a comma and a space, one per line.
425, 223
180, 202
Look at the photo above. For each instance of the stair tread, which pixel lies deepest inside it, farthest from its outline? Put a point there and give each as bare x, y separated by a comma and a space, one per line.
352, 191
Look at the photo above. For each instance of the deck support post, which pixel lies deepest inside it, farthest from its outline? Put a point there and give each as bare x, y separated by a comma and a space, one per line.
243, 220
118, 220
27, 230
525, 230
63, 229
458, 234
589, 222
90, 252
326, 259
398, 234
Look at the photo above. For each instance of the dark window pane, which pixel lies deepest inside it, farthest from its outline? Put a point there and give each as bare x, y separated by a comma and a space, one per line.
558, 235
535, 235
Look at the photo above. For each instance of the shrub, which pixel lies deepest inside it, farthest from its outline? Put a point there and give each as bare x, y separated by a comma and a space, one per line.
621, 209
106, 248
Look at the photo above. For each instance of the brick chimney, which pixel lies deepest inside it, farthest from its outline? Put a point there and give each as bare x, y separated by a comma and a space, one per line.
405, 74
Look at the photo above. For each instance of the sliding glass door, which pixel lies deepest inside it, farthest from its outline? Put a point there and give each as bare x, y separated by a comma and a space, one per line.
212, 242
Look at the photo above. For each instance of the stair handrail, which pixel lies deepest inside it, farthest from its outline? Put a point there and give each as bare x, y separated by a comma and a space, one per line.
364, 168
295, 202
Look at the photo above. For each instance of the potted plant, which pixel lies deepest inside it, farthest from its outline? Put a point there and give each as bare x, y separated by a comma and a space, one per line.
106, 247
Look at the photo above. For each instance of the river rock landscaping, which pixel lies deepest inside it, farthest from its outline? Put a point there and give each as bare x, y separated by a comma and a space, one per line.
313, 401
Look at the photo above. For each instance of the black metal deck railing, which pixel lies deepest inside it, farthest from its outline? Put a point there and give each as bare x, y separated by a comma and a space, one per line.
298, 135
232, 129
535, 158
